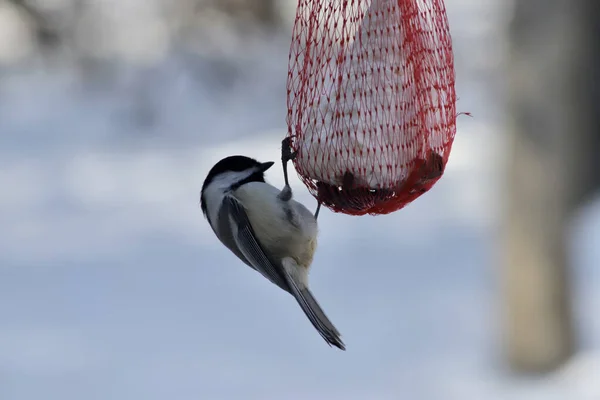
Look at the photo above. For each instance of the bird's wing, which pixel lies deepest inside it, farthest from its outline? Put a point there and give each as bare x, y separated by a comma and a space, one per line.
250, 247
225, 232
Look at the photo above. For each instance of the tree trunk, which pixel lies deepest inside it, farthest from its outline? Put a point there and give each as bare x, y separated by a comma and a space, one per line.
554, 144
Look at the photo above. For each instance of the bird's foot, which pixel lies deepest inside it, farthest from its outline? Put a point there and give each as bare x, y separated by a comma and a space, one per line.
287, 155
286, 150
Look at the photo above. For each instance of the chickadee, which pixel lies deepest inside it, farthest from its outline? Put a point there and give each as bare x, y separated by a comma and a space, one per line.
266, 229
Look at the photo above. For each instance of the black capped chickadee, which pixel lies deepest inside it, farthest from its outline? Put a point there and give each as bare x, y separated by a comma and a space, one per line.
266, 229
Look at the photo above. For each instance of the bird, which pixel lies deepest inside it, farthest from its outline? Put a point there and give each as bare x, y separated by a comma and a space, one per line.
267, 229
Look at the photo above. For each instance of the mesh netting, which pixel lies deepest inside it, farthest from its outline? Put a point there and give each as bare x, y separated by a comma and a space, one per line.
371, 101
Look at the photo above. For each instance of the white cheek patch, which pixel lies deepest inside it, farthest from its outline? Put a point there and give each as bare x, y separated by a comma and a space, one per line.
219, 187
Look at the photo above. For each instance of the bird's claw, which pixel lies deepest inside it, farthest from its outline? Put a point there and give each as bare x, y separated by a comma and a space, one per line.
286, 150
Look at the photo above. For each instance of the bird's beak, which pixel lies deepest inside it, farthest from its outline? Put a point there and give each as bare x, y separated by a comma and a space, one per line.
265, 166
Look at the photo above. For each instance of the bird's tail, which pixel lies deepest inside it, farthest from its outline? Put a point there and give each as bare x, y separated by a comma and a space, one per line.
316, 315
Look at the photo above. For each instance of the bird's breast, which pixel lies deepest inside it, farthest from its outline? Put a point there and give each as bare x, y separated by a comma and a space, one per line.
284, 229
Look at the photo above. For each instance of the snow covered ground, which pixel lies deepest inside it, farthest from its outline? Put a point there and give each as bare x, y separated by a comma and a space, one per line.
113, 287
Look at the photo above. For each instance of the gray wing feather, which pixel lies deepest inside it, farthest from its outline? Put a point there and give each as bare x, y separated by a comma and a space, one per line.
252, 251
226, 235
250, 248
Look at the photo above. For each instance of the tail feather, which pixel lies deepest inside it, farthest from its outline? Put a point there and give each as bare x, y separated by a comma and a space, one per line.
316, 315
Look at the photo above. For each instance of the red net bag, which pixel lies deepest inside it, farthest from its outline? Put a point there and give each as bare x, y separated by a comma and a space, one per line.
371, 101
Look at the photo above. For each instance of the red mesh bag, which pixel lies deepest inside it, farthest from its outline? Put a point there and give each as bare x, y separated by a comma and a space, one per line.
371, 101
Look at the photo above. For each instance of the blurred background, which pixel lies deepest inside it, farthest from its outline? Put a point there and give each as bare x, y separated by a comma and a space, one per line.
112, 285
